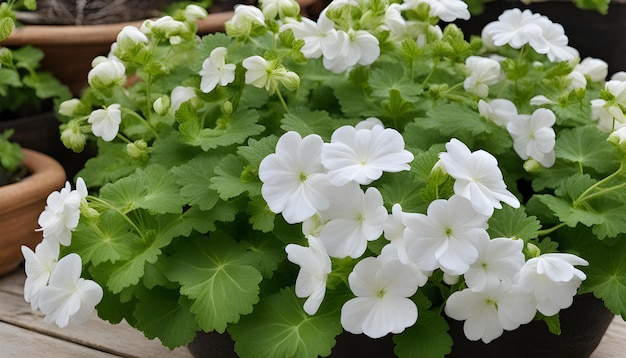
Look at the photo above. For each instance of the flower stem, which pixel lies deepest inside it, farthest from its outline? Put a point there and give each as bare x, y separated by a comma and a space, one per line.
550, 230
107, 205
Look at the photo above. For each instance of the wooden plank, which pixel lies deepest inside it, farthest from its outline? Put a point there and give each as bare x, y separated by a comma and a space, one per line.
613, 343
121, 339
18, 342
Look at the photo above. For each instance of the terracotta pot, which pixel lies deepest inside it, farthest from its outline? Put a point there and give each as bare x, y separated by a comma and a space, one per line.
20, 206
40, 132
583, 325
69, 50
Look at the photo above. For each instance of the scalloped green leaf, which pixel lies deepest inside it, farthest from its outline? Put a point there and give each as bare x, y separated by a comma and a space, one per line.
513, 223
219, 277
279, 327
587, 146
606, 274
194, 178
103, 239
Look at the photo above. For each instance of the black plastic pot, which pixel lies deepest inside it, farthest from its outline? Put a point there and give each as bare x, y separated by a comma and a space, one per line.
582, 327
591, 33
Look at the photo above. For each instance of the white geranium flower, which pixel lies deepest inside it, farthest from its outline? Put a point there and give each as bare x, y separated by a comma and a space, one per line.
392, 252
487, 313
554, 35
499, 260
600, 114
67, 108
394, 21
131, 35
446, 10
614, 107
483, 73
180, 95
314, 268
317, 36
105, 123
394, 232
61, 215
619, 76
500, 111
447, 237
534, 137
369, 123
245, 19
593, 68
576, 80
362, 155
553, 280
194, 12
477, 177
294, 180
216, 71
38, 267
517, 28
107, 73
68, 298
268, 74
353, 218
166, 27
381, 305
541, 100
618, 136
279, 8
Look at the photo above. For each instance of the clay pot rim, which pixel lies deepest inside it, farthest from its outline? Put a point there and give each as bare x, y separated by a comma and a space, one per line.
46, 173
50, 35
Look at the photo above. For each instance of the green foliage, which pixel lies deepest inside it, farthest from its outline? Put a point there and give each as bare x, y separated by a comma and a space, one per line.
11, 155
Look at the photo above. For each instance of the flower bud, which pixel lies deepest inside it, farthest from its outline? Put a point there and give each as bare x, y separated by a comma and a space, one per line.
618, 138
594, 68
106, 74
532, 166
72, 137
281, 8
68, 108
450, 279
227, 107
88, 212
180, 94
194, 12
532, 250
137, 149
161, 105
130, 35
290, 80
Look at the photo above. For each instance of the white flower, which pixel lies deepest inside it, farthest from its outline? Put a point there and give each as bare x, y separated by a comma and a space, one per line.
381, 305
280, 8
61, 215
447, 237
345, 49
216, 71
541, 100
554, 35
500, 111
394, 232
490, 311
294, 180
67, 108
317, 36
194, 12
131, 35
180, 95
394, 21
483, 73
245, 19
478, 177
362, 155
516, 28
499, 260
107, 73
68, 298
602, 115
38, 267
595, 69
446, 10
369, 123
618, 136
534, 137
391, 252
259, 73
353, 218
618, 90
105, 123
166, 27
553, 280
314, 268
576, 80
619, 76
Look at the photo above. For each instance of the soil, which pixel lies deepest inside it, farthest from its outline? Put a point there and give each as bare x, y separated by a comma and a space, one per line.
7, 178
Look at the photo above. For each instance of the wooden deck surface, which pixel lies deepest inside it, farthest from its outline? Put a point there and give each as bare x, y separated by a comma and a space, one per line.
24, 334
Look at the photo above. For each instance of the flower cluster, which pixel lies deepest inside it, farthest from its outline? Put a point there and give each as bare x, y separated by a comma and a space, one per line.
54, 285
365, 171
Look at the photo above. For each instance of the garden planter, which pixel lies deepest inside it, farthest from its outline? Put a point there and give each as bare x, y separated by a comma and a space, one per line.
69, 50
20, 206
40, 132
591, 33
582, 325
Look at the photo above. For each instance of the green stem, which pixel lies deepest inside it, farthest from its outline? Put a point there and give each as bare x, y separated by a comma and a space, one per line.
430, 74
590, 194
282, 100
122, 214
142, 120
550, 230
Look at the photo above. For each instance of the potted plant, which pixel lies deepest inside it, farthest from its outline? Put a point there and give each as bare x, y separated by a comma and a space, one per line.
290, 183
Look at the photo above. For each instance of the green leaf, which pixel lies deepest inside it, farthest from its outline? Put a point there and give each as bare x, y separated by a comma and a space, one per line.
613, 222
164, 314
261, 217
6, 27
159, 231
568, 214
203, 221
553, 323
404, 189
428, 337
153, 189
448, 117
552, 177
389, 77
195, 178
231, 179
396, 107
606, 274
219, 276
279, 327
103, 239
269, 251
305, 122
47, 86
257, 150
587, 146
513, 223
111, 163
